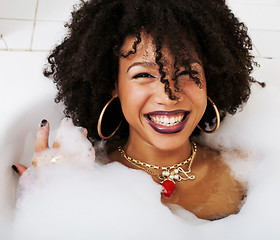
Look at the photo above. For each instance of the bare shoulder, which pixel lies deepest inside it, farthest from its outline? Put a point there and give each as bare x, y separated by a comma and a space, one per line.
223, 193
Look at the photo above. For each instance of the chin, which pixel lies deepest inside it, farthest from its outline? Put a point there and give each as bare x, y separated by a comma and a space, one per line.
169, 143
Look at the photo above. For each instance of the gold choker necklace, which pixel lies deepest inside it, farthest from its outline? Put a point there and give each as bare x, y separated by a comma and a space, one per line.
170, 174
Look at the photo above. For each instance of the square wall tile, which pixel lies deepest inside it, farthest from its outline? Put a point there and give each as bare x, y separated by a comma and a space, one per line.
267, 42
258, 16
18, 9
17, 34
55, 10
47, 35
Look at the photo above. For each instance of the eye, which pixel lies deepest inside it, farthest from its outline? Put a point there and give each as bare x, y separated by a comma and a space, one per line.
183, 73
143, 75
192, 72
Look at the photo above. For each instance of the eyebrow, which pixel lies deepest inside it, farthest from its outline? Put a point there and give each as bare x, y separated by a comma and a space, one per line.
192, 60
144, 64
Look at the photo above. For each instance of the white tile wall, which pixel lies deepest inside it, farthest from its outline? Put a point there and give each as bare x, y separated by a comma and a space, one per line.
18, 9
261, 16
267, 42
258, 16
17, 34
33, 24
53, 10
47, 34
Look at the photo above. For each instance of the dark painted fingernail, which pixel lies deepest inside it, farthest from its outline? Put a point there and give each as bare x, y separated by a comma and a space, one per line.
43, 123
15, 169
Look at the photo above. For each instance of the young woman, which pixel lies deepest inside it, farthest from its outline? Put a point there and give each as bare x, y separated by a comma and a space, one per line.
148, 76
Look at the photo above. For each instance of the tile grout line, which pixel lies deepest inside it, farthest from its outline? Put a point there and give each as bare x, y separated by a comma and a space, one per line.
1, 36
22, 50
34, 25
258, 52
31, 20
269, 58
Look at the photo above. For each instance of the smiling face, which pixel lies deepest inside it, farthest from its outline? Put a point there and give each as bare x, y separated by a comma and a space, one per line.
154, 119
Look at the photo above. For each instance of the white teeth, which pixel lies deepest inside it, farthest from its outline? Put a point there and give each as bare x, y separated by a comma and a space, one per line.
166, 121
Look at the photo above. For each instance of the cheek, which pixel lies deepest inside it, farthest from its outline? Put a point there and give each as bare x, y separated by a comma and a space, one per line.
133, 98
199, 98
197, 95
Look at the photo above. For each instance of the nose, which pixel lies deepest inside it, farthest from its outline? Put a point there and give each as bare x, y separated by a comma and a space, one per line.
161, 96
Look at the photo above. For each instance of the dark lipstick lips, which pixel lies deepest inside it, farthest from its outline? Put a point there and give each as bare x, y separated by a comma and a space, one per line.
168, 129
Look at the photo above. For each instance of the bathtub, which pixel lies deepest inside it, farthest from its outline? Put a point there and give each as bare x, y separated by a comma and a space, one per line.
27, 98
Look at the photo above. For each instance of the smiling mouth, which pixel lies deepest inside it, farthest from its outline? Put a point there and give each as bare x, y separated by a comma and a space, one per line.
167, 122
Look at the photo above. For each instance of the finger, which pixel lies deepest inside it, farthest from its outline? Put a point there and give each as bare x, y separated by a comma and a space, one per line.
42, 136
64, 122
19, 168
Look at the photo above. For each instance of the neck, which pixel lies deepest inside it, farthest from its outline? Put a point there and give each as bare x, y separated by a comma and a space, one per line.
150, 154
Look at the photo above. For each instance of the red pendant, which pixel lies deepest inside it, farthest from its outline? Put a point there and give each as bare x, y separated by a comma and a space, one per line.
168, 188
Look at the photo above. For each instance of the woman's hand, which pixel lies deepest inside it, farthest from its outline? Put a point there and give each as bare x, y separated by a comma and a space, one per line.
42, 149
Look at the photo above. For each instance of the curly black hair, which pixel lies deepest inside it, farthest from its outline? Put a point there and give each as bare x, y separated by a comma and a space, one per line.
85, 65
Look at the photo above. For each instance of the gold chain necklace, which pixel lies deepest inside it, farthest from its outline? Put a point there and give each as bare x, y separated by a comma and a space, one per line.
169, 174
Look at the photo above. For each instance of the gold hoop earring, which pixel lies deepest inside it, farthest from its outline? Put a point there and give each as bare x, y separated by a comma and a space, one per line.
100, 120
218, 118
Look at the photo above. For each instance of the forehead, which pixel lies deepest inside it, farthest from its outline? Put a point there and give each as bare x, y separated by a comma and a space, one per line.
146, 50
